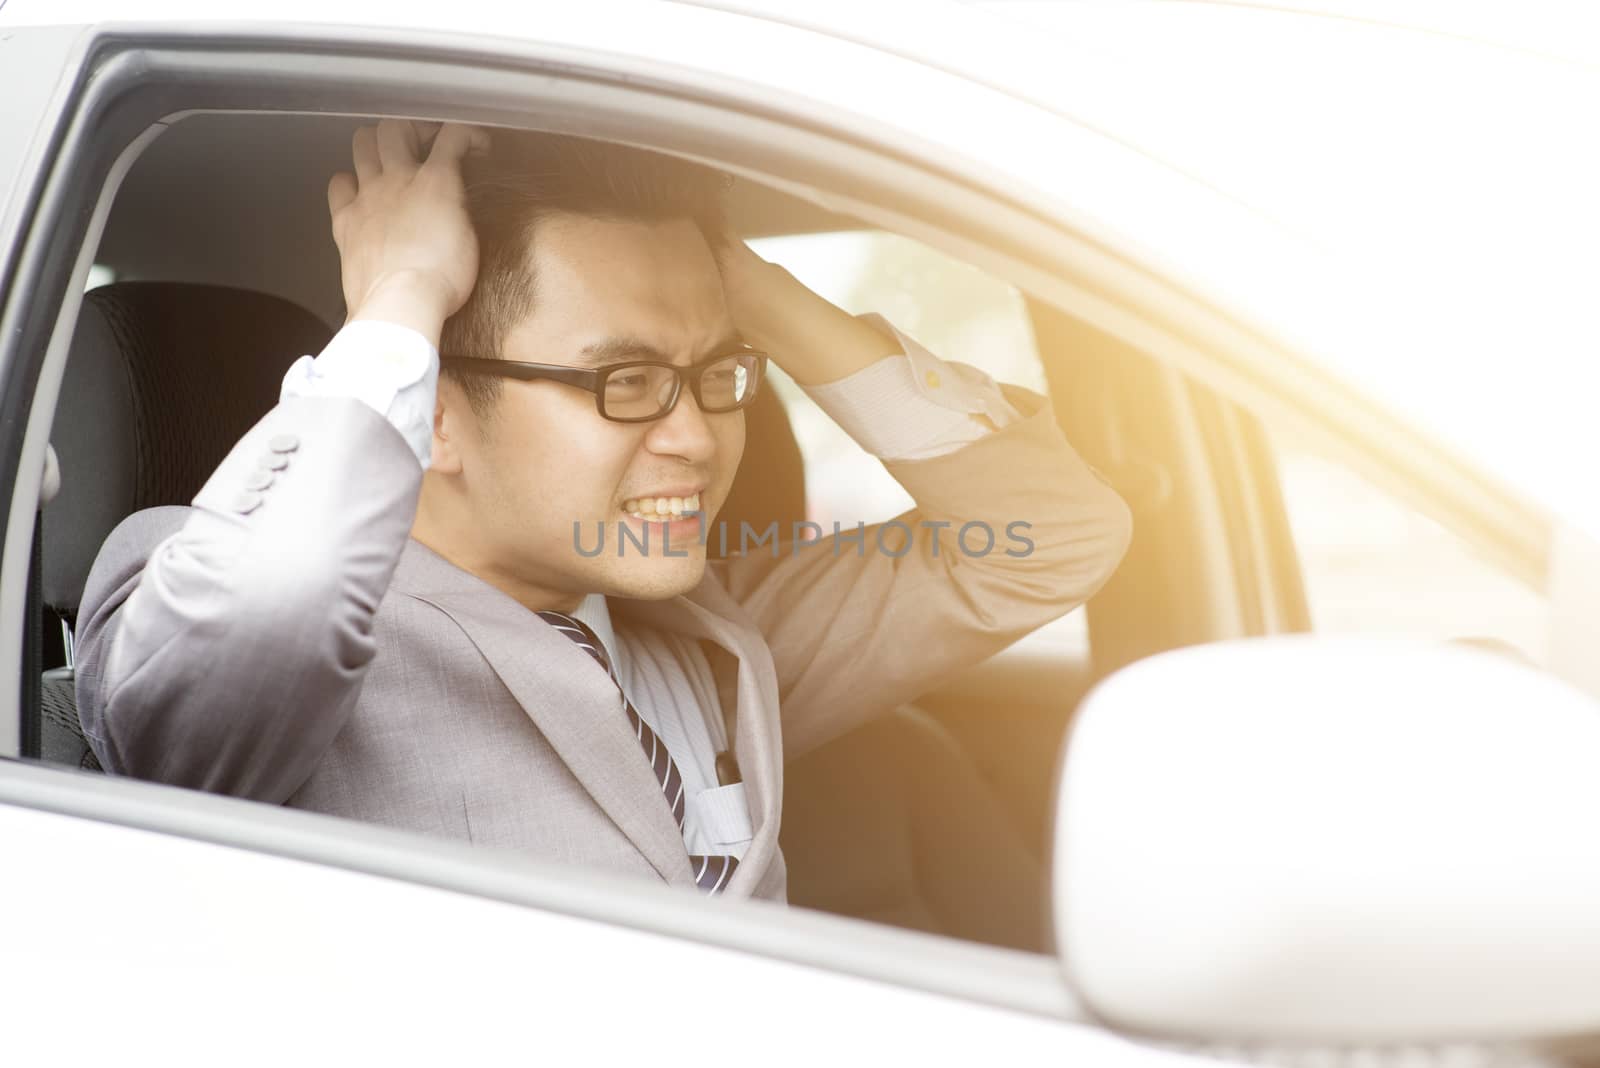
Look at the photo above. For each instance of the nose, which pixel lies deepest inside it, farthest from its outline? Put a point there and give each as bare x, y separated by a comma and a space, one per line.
684, 432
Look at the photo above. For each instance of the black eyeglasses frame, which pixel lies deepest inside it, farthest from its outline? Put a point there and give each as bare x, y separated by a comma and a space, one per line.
594, 380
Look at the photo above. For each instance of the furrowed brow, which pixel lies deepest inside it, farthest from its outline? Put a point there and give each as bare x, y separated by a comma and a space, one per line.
616, 350
627, 349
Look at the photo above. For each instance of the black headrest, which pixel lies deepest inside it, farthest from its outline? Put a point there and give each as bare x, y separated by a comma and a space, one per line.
162, 380
771, 483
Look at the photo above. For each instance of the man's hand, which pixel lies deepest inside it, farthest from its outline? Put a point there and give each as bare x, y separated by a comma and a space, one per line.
407, 251
811, 339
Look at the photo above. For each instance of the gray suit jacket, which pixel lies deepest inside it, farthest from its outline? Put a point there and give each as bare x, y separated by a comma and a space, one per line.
294, 645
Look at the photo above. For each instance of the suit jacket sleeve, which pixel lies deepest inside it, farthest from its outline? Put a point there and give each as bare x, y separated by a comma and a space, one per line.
223, 646
855, 630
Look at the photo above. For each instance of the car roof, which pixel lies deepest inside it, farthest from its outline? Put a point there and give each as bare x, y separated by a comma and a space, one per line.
1442, 160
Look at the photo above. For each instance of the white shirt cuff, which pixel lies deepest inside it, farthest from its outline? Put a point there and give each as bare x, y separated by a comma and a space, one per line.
914, 406
390, 368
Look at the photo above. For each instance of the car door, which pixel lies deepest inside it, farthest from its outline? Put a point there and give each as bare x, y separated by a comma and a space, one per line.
887, 167
69, 829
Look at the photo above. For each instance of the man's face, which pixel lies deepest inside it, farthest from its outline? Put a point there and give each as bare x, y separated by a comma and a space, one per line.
545, 460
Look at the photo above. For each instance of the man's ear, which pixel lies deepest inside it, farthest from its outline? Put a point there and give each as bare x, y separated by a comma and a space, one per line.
447, 427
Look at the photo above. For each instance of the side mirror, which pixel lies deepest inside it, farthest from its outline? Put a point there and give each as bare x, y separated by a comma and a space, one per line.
1333, 840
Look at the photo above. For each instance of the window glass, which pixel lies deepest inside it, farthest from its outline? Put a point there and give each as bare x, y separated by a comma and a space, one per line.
957, 311
1372, 563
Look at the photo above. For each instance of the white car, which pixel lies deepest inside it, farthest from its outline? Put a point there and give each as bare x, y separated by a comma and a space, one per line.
1310, 781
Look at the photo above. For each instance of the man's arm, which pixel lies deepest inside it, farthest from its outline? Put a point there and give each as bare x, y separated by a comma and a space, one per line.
223, 646
858, 625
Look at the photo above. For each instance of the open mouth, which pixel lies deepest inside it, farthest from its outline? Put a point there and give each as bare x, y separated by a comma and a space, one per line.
662, 509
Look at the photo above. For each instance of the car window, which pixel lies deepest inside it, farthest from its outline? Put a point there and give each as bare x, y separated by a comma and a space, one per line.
957, 311
1372, 563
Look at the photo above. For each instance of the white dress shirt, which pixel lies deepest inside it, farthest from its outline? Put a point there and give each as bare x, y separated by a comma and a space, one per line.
906, 406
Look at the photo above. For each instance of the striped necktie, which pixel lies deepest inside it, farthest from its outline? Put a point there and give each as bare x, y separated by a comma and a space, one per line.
711, 873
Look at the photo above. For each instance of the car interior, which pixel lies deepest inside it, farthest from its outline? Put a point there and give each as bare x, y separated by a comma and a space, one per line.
216, 270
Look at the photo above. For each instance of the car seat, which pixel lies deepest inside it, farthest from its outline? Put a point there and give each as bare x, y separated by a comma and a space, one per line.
162, 379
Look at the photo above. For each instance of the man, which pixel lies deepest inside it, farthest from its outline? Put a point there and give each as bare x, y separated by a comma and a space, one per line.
384, 604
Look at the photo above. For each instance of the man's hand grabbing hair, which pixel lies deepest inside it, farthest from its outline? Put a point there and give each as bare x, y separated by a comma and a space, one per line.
407, 251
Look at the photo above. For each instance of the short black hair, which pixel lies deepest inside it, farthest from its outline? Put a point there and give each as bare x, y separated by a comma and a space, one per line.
527, 177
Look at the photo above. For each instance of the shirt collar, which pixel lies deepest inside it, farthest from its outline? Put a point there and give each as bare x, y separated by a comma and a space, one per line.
594, 611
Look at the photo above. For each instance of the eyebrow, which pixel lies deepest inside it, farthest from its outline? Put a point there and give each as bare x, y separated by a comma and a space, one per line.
627, 349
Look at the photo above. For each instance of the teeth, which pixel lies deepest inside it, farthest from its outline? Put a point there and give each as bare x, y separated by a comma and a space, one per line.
662, 507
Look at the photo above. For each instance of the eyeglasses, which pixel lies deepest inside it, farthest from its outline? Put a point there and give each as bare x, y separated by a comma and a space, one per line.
644, 390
